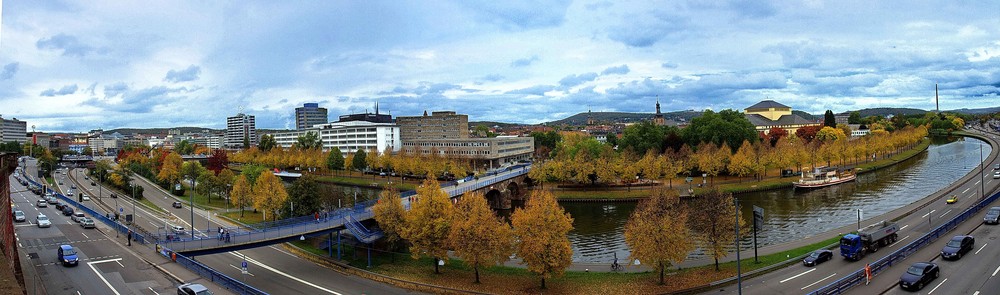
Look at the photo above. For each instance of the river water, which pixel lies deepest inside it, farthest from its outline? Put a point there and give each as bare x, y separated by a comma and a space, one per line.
598, 227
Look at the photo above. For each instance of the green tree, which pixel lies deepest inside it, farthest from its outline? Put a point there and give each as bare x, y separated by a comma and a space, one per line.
307, 141
478, 236
728, 126
542, 228
359, 162
184, 147
191, 170
304, 196
611, 139
267, 142
335, 160
829, 120
87, 150
854, 118
712, 221
657, 231
642, 137
429, 222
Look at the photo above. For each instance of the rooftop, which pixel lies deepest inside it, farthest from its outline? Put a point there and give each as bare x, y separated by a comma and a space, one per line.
767, 104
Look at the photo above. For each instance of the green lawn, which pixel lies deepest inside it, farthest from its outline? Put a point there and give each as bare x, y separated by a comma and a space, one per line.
150, 204
248, 216
367, 181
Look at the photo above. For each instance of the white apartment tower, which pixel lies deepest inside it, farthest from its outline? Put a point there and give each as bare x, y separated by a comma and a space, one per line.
241, 132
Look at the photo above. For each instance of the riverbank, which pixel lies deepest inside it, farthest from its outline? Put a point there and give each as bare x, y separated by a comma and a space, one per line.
729, 184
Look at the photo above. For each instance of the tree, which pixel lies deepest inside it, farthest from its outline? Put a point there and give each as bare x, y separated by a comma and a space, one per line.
774, 134
267, 142
184, 147
359, 162
170, 172
88, 151
712, 220
711, 159
304, 196
269, 194
477, 235
242, 193
830, 134
829, 120
429, 222
744, 162
657, 231
807, 133
854, 118
728, 126
309, 140
335, 160
642, 137
191, 170
218, 160
611, 139
542, 228
390, 214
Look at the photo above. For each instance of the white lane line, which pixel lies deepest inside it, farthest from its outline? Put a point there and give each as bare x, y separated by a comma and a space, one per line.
995, 271
928, 213
901, 228
151, 290
798, 275
946, 213
85, 235
91, 264
239, 269
264, 266
981, 248
978, 181
282, 251
900, 240
966, 189
935, 287
817, 282
977, 293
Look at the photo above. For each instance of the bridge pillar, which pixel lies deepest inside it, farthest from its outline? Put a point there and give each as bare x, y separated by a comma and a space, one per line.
338, 244
329, 244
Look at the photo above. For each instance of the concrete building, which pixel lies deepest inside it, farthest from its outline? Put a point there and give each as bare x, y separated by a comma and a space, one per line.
482, 152
13, 130
349, 136
240, 128
439, 125
769, 114
42, 139
309, 114
210, 141
859, 130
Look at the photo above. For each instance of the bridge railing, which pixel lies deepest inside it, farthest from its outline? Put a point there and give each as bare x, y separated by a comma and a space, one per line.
882, 264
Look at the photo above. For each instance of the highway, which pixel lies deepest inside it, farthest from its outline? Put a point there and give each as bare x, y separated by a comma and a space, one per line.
798, 279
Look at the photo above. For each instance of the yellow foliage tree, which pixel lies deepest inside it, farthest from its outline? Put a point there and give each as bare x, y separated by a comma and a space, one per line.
657, 231
269, 194
242, 193
478, 236
429, 222
390, 214
542, 228
744, 161
170, 172
712, 221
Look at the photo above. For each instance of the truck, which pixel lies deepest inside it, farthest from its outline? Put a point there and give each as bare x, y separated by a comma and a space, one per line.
854, 247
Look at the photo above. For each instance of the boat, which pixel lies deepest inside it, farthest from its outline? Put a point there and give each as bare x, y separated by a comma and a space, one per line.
823, 177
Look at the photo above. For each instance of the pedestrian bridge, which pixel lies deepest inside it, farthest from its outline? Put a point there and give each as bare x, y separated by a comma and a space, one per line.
503, 185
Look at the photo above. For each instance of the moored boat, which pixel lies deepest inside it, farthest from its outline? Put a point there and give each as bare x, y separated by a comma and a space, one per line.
823, 177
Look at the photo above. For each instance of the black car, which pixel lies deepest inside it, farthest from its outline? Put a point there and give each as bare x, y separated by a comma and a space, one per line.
60, 206
817, 257
958, 246
176, 204
992, 216
918, 275
67, 210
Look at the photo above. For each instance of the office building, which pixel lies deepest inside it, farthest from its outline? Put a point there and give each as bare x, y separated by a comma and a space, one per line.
309, 114
367, 117
13, 130
485, 153
439, 125
349, 136
241, 132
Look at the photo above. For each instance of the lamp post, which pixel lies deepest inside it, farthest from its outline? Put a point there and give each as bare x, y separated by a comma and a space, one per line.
191, 205
31, 148
982, 177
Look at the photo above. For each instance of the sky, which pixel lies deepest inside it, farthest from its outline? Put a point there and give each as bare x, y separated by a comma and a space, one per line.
71, 66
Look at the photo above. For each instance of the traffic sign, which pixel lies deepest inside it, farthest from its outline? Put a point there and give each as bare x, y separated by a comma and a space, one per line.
243, 267
121, 209
758, 217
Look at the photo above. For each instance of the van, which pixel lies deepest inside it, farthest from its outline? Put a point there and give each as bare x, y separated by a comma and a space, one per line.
992, 216
67, 256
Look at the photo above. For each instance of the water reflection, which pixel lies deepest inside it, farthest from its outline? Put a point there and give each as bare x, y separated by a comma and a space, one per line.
790, 215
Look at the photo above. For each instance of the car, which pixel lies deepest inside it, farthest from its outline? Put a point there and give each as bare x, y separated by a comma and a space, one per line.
67, 210
817, 257
60, 206
77, 216
114, 196
42, 220
952, 200
918, 275
93, 184
176, 204
52, 200
19, 216
87, 223
67, 255
192, 289
996, 167
42, 204
86, 198
992, 216
177, 229
996, 175
958, 246
72, 187
60, 182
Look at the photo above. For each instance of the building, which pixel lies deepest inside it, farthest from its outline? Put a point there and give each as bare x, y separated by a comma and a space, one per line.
769, 114
859, 130
439, 125
482, 152
349, 136
240, 129
367, 117
210, 141
308, 115
658, 117
42, 139
13, 130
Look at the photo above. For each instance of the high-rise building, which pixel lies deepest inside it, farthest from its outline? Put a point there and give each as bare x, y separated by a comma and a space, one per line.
241, 131
349, 136
439, 125
308, 115
13, 130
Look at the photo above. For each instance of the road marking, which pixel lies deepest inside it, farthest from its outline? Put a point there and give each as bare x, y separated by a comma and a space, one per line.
900, 240
151, 290
91, 264
901, 228
85, 235
928, 213
798, 275
240, 269
981, 248
966, 189
264, 266
995, 271
817, 282
946, 213
978, 181
935, 287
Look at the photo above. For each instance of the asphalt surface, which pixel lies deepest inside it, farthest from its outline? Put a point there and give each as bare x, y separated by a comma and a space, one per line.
799, 279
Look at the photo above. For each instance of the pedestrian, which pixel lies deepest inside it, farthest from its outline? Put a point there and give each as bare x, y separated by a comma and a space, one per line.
130, 237
317, 216
868, 274
227, 237
221, 231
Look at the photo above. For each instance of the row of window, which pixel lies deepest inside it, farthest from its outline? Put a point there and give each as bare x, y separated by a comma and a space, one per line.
448, 144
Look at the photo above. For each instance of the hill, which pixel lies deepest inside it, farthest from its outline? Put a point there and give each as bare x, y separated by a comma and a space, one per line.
992, 110
183, 130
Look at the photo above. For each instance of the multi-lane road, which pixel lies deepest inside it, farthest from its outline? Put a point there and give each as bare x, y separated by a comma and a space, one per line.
798, 279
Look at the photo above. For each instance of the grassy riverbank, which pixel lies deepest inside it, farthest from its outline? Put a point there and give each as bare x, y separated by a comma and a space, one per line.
367, 182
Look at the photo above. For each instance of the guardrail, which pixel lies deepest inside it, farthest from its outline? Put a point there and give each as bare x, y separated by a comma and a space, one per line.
858, 277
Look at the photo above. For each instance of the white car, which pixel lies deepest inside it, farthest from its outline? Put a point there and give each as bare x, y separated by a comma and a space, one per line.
77, 216
19, 216
86, 198
996, 175
43, 221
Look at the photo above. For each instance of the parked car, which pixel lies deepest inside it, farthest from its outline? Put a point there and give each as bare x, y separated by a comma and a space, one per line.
43, 221
87, 223
992, 216
77, 216
817, 257
958, 246
176, 205
918, 275
192, 289
19, 216
67, 255
42, 204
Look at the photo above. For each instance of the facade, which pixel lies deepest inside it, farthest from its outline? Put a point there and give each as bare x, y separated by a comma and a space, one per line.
42, 139
210, 141
239, 128
858, 130
769, 114
484, 152
308, 115
13, 130
439, 125
349, 136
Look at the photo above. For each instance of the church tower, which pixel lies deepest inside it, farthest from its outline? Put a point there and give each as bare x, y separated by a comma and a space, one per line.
590, 118
658, 118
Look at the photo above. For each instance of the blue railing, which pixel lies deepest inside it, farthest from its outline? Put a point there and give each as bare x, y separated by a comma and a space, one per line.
360, 231
96, 216
858, 276
210, 274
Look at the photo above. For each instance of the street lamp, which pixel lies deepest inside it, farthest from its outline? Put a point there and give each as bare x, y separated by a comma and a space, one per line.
191, 205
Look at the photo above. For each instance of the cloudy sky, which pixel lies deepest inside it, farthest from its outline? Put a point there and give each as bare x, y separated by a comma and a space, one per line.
80, 65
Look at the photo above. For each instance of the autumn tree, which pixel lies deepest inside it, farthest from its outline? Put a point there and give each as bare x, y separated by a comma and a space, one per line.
711, 159
429, 222
477, 235
269, 194
712, 220
242, 193
218, 160
170, 172
390, 215
657, 232
542, 228
745, 161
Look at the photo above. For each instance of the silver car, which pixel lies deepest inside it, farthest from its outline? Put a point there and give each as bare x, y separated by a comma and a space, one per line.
19, 216
43, 221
